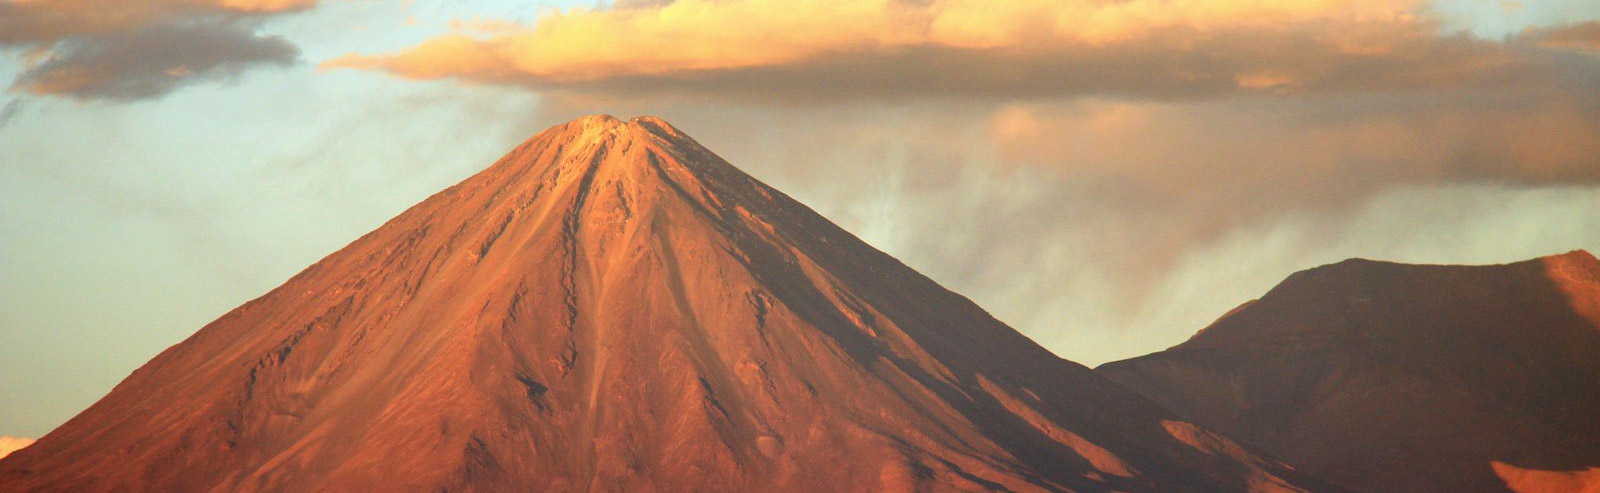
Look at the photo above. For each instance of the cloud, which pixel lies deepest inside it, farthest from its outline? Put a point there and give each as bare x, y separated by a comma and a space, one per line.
13, 444
1126, 168
893, 49
1190, 174
9, 111
139, 49
49, 21
638, 4
1240, 155
1581, 36
152, 61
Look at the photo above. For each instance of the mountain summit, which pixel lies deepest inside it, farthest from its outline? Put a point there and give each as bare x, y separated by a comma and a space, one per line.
1380, 376
613, 307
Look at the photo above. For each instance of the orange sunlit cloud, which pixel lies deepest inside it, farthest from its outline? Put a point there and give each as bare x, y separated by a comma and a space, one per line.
890, 48
265, 5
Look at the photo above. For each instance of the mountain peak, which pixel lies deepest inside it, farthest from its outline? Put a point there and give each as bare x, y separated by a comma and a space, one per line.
627, 162
1576, 262
657, 126
1344, 293
599, 125
1579, 254
591, 126
604, 148
613, 306
1352, 272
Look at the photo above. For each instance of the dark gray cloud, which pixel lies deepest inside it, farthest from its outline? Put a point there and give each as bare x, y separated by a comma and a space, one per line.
10, 111
152, 61
139, 49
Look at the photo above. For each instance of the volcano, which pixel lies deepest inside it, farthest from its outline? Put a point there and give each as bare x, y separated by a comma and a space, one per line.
1390, 377
613, 307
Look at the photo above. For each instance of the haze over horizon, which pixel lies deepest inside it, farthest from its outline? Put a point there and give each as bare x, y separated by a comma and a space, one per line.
1106, 178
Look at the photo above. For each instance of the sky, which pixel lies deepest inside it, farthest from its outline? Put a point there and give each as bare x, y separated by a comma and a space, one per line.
1106, 176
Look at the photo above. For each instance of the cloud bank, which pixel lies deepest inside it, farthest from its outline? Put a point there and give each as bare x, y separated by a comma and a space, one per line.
138, 49
811, 50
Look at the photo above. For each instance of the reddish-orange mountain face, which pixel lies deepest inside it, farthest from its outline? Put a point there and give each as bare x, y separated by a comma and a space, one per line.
613, 307
1391, 377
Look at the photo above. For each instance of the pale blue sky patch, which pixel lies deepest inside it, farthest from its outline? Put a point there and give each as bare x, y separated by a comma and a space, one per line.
1498, 19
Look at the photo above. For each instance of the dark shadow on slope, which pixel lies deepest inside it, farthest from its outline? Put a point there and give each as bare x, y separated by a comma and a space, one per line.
955, 332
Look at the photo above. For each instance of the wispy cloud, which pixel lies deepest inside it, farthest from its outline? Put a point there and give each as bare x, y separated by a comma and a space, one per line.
1581, 36
10, 111
1243, 157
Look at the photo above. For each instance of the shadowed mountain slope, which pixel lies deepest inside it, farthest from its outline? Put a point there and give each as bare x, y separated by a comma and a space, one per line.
1391, 377
613, 307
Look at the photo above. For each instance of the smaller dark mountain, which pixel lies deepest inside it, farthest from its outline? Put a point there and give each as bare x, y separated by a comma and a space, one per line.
1390, 377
